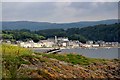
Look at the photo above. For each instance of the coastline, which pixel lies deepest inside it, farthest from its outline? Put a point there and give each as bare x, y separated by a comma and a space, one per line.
75, 48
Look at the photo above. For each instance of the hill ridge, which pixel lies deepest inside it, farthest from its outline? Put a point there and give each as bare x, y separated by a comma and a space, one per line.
32, 25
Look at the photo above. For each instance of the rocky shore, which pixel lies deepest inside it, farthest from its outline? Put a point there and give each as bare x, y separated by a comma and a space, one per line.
23, 64
52, 69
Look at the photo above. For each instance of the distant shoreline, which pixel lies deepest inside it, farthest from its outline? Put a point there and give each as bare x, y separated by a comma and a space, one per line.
78, 48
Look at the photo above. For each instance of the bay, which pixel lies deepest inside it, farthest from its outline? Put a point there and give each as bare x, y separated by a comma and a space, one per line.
103, 53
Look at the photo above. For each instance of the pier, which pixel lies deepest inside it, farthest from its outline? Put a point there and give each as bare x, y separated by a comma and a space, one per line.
53, 51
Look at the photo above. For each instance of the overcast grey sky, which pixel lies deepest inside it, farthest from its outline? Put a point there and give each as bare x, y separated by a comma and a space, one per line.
59, 12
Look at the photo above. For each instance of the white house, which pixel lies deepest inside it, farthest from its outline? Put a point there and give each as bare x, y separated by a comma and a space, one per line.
26, 44
86, 45
95, 45
74, 44
62, 42
38, 45
89, 42
47, 43
62, 39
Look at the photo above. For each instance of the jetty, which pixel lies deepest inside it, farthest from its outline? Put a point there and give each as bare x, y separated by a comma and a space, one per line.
53, 51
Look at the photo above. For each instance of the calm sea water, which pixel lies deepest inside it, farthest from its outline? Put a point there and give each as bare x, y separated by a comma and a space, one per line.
104, 53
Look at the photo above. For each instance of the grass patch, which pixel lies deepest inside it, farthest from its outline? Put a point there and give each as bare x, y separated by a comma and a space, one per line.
74, 58
12, 59
71, 58
8, 49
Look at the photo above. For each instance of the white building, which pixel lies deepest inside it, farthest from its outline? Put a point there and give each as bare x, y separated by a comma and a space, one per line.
89, 42
74, 44
95, 45
42, 43
101, 43
86, 45
62, 42
62, 39
38, 45
115, 44
47, 43
26, 44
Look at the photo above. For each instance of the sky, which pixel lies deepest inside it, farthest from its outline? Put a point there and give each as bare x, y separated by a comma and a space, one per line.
59, 12
60, 0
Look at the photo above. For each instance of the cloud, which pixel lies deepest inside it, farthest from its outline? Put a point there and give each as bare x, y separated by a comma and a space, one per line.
59, 0
0, 11
59, 11
27, 10
94, 9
